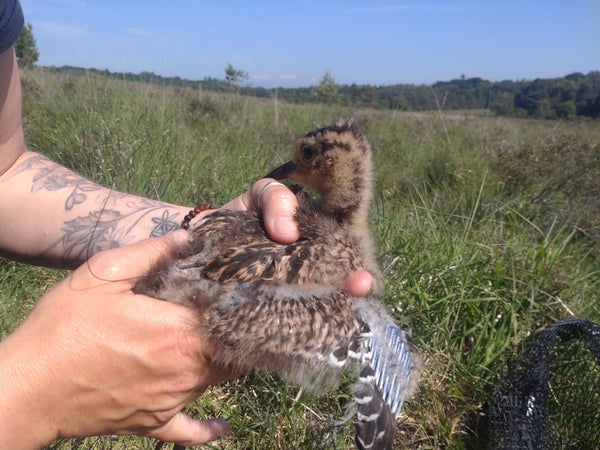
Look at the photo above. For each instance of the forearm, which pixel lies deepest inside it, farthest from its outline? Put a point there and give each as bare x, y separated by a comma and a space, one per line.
55, 217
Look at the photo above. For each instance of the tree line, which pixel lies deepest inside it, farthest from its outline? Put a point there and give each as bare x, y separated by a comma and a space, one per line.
573, 95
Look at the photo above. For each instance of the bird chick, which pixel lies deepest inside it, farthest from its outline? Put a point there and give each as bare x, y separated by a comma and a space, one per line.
281, 307
336, 239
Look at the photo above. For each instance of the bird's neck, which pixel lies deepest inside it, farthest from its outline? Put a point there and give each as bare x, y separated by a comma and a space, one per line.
352, 213
348, 193
348, 206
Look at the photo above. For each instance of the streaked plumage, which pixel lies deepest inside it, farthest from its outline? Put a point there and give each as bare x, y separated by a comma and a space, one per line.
281, 307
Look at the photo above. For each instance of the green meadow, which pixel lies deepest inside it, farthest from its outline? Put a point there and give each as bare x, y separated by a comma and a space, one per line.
488, 230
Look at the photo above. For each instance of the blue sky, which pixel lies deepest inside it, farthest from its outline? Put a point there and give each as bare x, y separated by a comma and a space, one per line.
293, 43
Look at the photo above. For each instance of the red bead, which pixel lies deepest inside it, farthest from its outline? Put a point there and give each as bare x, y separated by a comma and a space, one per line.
193, 213
202, 207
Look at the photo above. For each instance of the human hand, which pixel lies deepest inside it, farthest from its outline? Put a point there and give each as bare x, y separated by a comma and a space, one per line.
278, 205
95, 358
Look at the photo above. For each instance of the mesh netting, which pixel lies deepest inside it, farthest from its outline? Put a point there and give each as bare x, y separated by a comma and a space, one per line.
550, 397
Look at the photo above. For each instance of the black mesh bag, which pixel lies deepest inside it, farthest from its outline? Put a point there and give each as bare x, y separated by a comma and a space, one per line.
550, 397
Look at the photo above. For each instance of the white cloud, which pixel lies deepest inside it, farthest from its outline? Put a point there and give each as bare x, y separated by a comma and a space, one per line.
140, 32
287, 77
59, 30
260, 77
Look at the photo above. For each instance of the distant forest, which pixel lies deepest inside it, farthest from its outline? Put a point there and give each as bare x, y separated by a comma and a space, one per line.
573, 95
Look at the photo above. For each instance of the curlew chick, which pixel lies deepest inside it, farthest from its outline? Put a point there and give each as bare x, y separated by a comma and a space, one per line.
280, 307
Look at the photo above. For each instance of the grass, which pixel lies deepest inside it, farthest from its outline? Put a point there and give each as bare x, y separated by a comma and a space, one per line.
487, 230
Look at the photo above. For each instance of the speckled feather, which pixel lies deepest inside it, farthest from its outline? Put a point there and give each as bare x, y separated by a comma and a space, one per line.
324, 254
294, 333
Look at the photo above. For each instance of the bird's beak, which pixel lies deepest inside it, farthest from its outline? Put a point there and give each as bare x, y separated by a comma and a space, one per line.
286, 170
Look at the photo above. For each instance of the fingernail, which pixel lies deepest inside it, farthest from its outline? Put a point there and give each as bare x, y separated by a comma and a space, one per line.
285, 226
225, 426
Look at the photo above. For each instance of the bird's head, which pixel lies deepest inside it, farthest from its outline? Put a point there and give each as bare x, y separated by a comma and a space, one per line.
336, 161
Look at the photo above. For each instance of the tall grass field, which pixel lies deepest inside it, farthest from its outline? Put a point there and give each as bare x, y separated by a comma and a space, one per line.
488, 230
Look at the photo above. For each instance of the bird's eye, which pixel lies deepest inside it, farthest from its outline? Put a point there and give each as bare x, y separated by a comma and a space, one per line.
308, 153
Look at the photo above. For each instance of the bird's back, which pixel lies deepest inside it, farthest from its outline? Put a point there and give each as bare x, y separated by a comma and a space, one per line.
233, 246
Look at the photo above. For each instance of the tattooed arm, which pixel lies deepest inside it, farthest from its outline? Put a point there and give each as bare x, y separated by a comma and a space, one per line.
74, 218
58, 218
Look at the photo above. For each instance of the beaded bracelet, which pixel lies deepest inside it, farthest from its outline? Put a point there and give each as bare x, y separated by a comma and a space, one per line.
193, 213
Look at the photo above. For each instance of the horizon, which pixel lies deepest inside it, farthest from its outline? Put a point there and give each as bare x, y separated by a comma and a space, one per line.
293, 45
67, 67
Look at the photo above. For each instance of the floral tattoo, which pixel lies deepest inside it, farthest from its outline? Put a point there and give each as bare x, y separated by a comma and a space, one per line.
103, 228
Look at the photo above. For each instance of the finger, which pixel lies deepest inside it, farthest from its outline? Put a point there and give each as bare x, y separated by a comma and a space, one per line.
129, 262
358, 284
278, 205
184, 430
